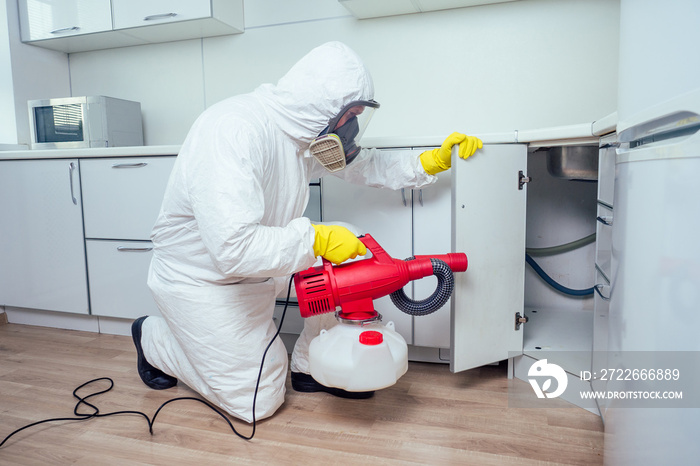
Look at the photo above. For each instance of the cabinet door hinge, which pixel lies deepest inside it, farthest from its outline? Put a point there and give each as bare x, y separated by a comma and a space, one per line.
519, 320
522, 179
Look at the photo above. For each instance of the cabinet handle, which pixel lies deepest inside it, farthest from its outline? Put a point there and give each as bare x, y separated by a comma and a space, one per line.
403, 196
130, 165
132, 249
159, 16
420, 197
60, 30
71, 169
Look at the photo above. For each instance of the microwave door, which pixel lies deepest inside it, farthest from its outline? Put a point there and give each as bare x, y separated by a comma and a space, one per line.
59, 123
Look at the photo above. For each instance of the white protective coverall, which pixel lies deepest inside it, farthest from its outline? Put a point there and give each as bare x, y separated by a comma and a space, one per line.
230, 232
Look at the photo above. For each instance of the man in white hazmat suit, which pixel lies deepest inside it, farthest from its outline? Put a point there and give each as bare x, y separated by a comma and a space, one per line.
230, 231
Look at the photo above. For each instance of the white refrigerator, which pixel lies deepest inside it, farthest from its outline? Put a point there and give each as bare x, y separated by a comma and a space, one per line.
655, 294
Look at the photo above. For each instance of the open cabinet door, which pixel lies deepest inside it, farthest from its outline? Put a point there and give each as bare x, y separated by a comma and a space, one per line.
488, 224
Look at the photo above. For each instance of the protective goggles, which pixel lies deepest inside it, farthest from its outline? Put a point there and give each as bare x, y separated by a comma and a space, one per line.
337, 145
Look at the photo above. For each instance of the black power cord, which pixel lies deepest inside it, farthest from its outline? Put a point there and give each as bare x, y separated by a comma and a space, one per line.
82, 400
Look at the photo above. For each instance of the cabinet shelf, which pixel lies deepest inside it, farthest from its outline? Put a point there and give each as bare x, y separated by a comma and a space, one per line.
563, 336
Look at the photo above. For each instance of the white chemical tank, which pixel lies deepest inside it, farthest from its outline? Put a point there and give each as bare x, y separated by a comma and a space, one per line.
358, 357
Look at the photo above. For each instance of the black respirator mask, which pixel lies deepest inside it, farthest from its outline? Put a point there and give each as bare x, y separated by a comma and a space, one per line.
337, 145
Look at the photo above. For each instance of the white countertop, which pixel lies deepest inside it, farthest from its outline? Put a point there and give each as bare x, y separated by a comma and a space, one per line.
102, 152
584, 133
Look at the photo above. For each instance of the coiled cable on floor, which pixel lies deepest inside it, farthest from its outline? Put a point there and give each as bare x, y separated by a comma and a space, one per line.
435, 301
82, 400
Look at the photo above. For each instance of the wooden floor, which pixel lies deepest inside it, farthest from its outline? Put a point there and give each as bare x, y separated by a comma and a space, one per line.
430, 416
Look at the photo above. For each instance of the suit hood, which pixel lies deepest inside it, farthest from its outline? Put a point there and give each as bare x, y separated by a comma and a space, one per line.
315, 89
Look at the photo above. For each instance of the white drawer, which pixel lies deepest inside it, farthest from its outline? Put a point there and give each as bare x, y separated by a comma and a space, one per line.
122, 197
603, 248
117, 272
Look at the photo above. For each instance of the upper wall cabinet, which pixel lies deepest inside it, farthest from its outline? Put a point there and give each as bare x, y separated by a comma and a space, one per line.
168, 20
81, 25
51, 19
364, 9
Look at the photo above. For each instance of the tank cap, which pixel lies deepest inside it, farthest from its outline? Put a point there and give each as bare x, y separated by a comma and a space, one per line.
371, 337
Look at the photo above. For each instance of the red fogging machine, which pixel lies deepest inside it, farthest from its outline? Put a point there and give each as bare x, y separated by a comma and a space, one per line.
360, 353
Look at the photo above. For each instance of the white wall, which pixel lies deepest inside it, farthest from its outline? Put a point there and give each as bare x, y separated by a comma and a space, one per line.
26, 73
520, 65
8, 133
658, 54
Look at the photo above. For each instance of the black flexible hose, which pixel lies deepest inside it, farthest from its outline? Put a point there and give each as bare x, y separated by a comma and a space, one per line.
435, 301
557, 286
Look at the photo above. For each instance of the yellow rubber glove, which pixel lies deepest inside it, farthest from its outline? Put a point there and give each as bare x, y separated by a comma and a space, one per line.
440, 159
337, 244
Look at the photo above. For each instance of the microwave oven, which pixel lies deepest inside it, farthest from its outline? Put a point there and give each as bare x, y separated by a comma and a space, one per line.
82, 122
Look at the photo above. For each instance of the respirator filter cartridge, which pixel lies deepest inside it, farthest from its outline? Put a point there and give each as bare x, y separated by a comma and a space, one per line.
328, 150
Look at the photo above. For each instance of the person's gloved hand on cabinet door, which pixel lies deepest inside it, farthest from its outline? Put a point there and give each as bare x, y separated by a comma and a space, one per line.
437, 160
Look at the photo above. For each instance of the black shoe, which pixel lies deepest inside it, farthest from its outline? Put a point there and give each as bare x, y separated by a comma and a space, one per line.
305, 383
154, 378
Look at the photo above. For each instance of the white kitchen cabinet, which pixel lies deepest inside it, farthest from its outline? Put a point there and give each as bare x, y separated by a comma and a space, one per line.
42, 252
488, 215
70, 25
136, 13
167, 20
432, 235
363, 9
491, 232
479, 208
122, 199
42, 19
603, 263
122, 196
420, 217
118, 274
81, 25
